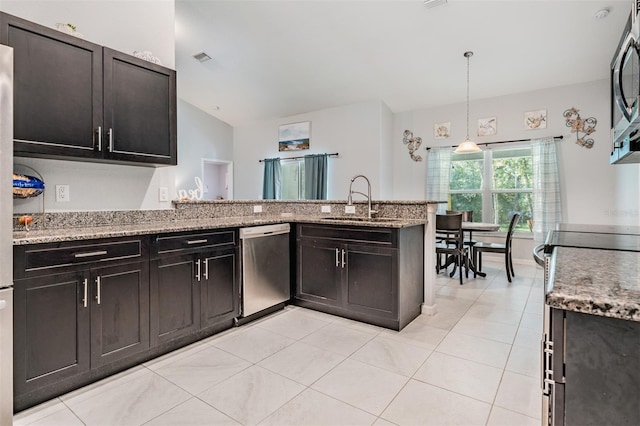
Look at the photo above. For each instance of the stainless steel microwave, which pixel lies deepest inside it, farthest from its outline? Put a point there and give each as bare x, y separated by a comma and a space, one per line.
625, 94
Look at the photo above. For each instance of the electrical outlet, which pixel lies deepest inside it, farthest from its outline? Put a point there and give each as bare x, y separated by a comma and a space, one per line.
350, 209
257, 209
163, 194
62, 194
325, 209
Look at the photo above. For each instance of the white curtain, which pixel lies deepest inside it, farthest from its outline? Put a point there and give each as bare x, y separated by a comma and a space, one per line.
547, 205
438, 173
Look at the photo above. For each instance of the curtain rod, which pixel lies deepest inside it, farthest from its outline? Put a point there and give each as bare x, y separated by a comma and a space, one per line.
491, 143
335, 154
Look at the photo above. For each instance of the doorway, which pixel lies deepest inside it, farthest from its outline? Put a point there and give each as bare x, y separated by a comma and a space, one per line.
217, 179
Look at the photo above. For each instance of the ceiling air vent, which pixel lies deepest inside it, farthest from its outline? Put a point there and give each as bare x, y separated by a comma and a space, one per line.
202, 57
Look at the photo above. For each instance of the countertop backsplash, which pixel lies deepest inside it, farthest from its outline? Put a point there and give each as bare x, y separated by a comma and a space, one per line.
190, 210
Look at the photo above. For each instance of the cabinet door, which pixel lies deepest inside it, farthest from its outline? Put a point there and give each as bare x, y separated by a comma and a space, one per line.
319, 272
51, 330
119, 312
371, 281
139, 110
175, 298
57, 90
220, 287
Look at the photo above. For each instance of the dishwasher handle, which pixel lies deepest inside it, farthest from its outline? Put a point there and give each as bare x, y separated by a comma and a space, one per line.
264, 231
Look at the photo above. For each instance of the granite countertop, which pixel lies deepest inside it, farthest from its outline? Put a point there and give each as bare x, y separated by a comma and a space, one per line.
597, 282
95, 232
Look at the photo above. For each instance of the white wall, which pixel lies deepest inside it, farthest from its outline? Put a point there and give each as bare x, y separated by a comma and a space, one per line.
595, 192
125, 26
200, 135
353, 130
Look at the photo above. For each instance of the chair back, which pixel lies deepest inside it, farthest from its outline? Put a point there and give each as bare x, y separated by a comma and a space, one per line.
449, 227
467, 215
512, 227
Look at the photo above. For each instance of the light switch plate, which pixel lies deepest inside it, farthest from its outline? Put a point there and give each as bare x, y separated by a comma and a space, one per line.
325, 209
350, 209
257, 209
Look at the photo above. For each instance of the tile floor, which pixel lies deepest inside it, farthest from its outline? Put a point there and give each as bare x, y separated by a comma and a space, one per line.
474, 363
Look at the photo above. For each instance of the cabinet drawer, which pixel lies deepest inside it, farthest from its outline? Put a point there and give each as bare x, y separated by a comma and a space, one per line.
36, 258
351, 234
184, 242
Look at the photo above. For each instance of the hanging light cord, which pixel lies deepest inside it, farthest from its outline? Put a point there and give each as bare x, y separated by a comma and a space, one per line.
468, 55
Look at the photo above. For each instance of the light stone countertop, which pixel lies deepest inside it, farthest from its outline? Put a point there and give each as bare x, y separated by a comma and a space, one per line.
181, 225
596, 282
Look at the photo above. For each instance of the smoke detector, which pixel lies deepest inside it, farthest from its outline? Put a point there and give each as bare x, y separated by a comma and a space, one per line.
202, 57
601, 14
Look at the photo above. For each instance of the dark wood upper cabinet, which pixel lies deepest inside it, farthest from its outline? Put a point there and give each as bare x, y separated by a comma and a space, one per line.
139, 110
77, 100
57, 90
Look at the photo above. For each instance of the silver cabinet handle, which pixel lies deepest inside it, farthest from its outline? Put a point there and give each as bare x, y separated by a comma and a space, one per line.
90, 254
198, 269
343, 261
206, 269
196, 241
337, 258
110, 133
98, 299
99, 138
86, 289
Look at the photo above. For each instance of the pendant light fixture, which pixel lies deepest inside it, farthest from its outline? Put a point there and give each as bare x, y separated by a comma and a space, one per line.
468, 146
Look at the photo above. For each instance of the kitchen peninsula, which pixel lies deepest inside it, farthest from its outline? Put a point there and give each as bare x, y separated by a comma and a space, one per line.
591, 353
92, 265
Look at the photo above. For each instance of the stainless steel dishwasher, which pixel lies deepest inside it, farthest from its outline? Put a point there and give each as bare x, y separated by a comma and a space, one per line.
265, 267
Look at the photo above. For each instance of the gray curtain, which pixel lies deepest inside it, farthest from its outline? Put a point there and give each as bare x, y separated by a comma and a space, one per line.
315, 176
272, 182
438, 173
547, 205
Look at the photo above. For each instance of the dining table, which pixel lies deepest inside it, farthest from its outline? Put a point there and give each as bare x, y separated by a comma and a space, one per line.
472, 227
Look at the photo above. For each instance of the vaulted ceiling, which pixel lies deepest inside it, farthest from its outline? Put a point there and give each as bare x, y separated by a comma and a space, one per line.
279, 58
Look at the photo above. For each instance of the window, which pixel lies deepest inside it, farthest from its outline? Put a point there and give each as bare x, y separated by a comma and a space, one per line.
494, 184
292, 180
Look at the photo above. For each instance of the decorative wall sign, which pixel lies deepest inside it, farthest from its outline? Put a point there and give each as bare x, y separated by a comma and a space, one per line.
294, 137
579, 125
441, 130
487, 126
412, 144
192, 194
535, 119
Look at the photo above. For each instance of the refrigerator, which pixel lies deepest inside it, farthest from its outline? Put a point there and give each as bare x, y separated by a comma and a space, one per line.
6, 235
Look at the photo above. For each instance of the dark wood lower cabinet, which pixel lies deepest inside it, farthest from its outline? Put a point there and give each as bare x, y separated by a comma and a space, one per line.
119, 312
86, 310
220, 293
190, 292
373, 275
51, 330
320, 273
175, 298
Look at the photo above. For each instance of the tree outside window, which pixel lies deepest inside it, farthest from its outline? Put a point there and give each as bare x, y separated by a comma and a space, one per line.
494, 184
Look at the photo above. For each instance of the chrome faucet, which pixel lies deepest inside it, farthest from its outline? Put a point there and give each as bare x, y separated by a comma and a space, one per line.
368, 194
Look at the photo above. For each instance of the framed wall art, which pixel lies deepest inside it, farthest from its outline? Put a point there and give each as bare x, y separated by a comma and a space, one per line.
535, 119
487, 126
441, 130
294, 137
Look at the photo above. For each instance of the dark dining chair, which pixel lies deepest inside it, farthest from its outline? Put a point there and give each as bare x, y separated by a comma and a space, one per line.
467, 216
450, 242
506, 248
